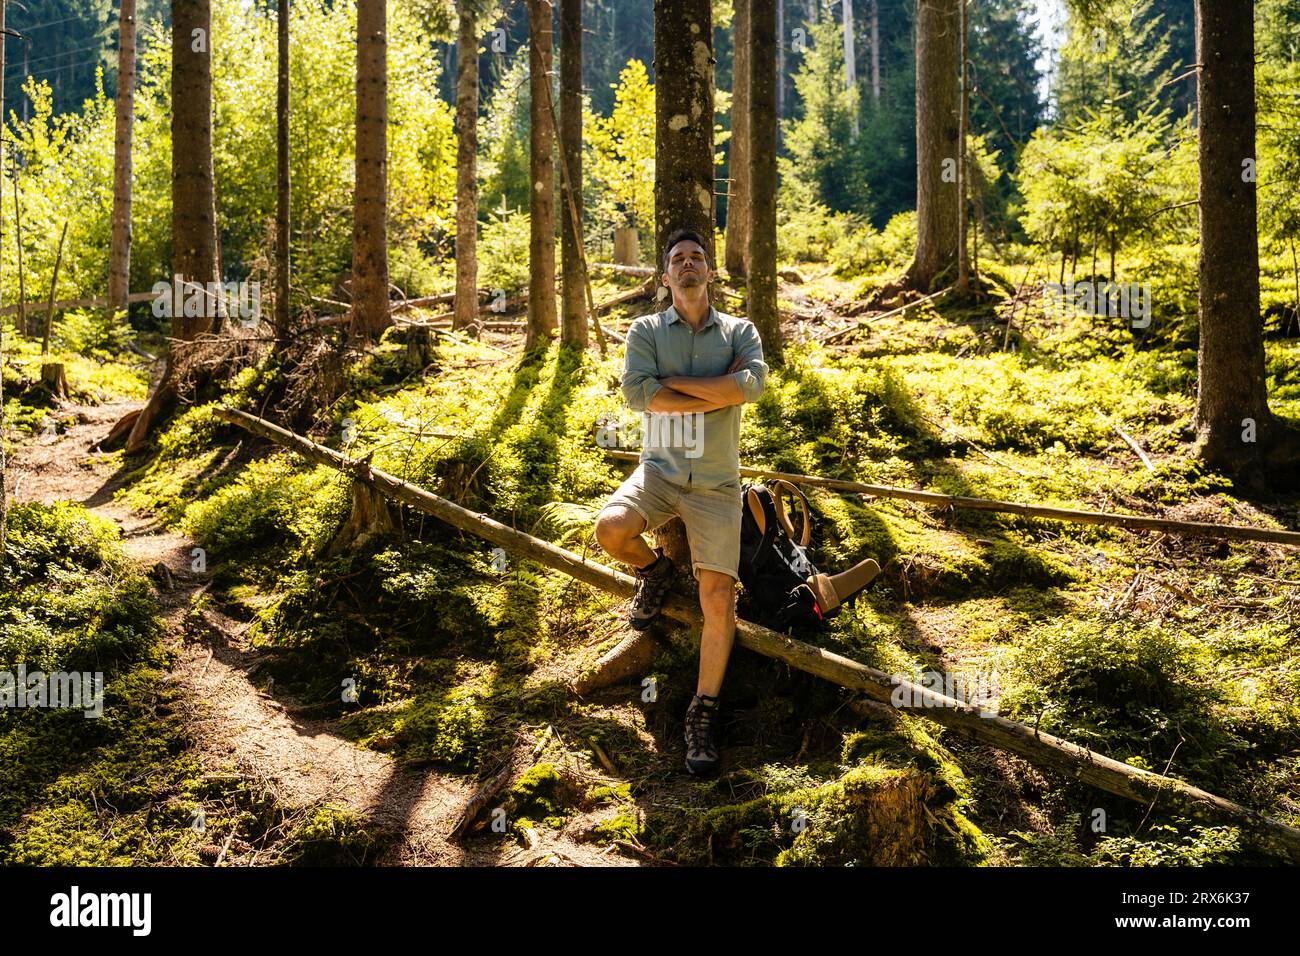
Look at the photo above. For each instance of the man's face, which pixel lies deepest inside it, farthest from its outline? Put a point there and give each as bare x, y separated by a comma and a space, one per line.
687, 266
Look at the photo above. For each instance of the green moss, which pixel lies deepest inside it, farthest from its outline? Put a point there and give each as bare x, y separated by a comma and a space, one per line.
1137, 692
545, 795
331, 836
450, 727
121, 788
872, 815
625, 826
275, 508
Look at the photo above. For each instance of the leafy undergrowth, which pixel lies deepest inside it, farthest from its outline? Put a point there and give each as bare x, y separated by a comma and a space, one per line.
1172, 654
95, 365
114, 780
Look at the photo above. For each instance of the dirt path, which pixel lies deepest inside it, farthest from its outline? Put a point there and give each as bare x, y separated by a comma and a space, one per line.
234, 723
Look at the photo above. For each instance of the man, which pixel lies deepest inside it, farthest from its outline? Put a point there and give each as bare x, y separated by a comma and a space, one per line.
689, 368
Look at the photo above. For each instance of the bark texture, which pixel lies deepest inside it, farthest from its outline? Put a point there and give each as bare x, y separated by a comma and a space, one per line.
370, 315
684, 177
466, 308
541, 170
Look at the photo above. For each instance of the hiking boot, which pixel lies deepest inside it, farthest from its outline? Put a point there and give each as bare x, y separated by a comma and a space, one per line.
702, 755
651, 588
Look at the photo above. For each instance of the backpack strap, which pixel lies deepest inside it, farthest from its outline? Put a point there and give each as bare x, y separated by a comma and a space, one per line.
759, 501
805, 535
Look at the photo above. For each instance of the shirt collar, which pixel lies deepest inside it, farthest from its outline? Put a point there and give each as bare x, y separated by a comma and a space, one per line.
710, 319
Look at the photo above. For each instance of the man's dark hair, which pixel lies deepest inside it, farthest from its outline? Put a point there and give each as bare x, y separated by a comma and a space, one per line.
682, 235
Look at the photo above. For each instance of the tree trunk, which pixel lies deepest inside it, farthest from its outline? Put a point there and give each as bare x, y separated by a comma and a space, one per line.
1231, 396
574, 291
194, 248
466, 308
780, 63
627, 246
850, 54
4, 477
937, 108
762, 178
541, 171
370, 315
963, 171
875, 50
54, 283
737, 242
684, 178
282, 188
194, 203
18, 241
119, 260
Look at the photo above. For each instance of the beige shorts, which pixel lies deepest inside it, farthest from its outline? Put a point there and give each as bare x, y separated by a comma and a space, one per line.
711, 515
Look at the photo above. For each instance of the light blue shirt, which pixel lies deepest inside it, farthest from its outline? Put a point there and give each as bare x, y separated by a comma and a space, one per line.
698, 449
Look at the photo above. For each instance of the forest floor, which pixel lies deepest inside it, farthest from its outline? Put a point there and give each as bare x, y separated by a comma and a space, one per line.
1173, 654
240, 726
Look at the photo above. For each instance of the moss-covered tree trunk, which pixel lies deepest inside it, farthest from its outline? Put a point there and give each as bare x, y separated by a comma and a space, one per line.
541, 173
466, 306
370, 314
737, 241
574, 288
762, 178
119, 258
684, 121
937, 121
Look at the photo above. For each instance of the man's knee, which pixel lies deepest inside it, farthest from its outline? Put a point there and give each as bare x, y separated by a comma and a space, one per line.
717, 592
617, 525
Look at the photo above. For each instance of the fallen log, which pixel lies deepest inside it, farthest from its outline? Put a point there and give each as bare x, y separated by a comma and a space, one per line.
1073, 760
633, 655
1204, 529
625, 270
861, 324
445, 318
91, 303
509, 305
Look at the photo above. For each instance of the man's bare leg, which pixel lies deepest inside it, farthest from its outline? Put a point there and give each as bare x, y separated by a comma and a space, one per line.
718, 602
618, 530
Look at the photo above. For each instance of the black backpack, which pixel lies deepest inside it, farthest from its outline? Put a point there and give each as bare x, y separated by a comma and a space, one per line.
782, 587
774, 562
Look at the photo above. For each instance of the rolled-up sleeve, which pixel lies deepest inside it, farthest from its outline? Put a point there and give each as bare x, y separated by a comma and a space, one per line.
640, 368
752, 376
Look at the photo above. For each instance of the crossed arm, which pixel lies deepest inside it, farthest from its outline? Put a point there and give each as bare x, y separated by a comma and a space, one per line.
645, 390
682, 393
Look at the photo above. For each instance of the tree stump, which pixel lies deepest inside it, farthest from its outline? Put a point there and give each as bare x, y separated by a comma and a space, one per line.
632, 657
627, 246
54, 379
370, 517
671, 536
419, 345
